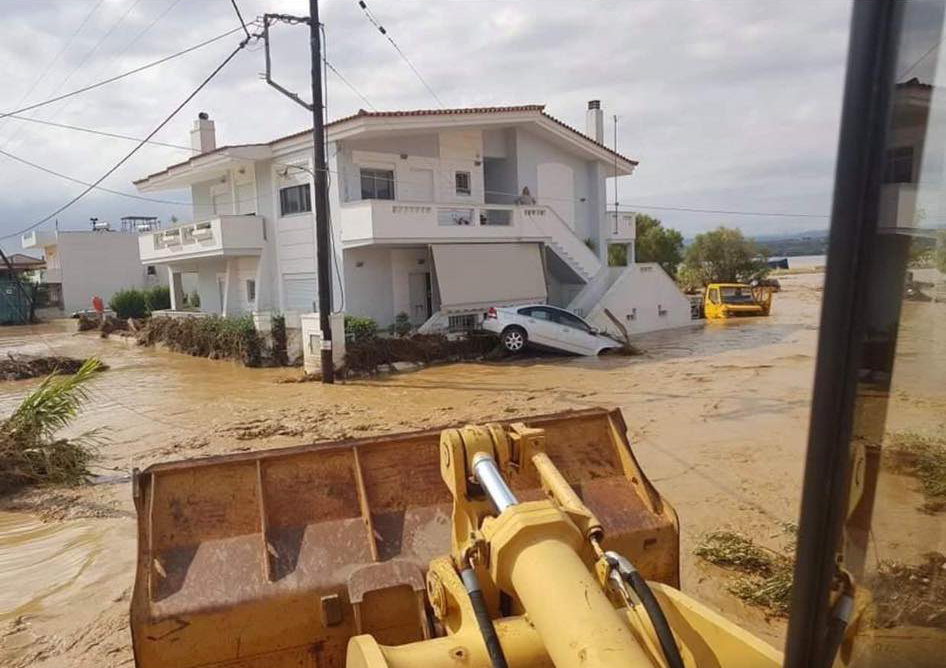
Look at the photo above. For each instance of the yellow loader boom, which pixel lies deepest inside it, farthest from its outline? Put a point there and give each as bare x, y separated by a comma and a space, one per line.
277, 558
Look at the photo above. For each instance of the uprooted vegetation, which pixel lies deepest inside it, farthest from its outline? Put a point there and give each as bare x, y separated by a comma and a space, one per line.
20, 367
368, 355
31, 453
910, 595
924, 458
765, 579
214, 337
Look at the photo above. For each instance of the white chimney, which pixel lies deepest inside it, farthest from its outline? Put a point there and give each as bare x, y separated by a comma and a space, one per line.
203, 136
594, 121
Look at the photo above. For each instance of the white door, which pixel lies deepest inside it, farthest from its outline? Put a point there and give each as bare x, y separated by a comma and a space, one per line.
419, 186
541, 328
578, 335
419, 288
556, 185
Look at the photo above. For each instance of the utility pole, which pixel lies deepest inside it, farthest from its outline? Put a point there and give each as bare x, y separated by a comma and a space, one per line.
323, 238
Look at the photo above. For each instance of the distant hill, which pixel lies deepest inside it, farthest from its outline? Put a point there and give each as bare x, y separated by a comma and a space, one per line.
811, 242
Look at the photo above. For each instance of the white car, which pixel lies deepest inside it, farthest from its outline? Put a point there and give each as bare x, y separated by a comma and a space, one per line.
545, 327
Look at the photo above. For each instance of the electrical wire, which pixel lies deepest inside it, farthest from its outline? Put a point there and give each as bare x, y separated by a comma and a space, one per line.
767, 214
66, 177
124, 50
120, 76
52, 62
240, 16
137, 147
79, 66
377, 24
102, 133
350, 85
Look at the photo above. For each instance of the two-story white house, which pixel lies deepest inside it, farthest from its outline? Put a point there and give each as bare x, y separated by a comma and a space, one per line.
437, 214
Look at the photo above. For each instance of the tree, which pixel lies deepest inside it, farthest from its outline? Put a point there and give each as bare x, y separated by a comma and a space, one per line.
656, 243
723, 255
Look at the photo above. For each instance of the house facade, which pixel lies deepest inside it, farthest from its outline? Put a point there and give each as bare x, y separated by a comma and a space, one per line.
436, 214
82, 264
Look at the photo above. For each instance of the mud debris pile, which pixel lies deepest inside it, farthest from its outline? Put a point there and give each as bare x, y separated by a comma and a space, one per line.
21, 367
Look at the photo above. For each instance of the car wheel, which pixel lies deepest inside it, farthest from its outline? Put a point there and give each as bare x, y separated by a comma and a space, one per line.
514, 339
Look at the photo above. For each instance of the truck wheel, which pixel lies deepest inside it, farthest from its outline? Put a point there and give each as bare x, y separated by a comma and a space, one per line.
514, 339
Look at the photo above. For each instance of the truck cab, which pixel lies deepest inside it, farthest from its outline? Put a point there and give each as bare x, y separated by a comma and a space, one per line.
729, 300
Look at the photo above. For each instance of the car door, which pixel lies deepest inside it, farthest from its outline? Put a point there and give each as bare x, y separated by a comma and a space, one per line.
540, 325
578, 334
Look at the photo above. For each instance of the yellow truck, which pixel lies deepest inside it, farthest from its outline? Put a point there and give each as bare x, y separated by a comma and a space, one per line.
732, 300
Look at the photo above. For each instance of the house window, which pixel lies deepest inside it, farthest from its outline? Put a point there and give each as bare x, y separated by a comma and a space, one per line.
295, 199
462, 180
251, 290
152, 270
898, 166
377, 184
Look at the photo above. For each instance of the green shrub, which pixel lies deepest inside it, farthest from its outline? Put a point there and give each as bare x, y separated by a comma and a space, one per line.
193, 300
402, 325
129, 304
280, 352
158, 298
360, 329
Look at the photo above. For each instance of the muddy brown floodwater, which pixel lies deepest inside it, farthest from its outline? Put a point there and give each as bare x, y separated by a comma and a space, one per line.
717, 413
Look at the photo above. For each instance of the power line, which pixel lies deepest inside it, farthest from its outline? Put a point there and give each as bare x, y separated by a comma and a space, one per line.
723, 211
120, 76
383, 31
240, 16
47, 170
350, 86
65, 46
115, 167
919, 60
103, 133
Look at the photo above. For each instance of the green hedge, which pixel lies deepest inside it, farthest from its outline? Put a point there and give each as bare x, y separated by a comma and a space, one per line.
133, 303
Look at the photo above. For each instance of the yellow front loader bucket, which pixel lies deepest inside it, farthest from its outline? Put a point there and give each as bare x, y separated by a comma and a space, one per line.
276, 558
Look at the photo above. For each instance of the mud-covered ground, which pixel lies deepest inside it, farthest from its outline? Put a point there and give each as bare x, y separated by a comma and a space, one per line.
717, 412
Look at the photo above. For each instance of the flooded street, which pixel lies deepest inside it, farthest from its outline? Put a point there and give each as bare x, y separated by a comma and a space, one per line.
717, 413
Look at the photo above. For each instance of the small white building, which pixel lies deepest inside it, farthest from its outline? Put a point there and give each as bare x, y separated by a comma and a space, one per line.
84, 264
436, 214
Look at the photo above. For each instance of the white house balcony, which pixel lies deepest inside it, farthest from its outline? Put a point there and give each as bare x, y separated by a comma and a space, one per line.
38, 239
622, 227
381, 221
898, 206
214, 237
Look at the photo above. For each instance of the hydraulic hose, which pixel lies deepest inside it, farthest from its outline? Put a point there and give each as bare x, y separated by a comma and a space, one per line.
483, 620
664, 634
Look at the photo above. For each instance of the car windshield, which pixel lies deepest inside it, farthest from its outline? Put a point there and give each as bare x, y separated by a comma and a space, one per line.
735, 295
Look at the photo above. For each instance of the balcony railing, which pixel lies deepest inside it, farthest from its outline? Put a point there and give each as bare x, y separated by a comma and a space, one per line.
223, 235
380, 221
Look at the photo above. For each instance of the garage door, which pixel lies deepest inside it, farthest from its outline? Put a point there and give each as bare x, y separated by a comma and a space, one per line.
300, 292
472, 277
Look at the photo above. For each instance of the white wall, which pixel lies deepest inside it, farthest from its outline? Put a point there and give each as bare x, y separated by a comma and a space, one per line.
637, 296
100, 264
532, 151
369, 290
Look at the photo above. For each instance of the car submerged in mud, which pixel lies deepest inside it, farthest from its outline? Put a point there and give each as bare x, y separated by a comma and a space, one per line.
546, 327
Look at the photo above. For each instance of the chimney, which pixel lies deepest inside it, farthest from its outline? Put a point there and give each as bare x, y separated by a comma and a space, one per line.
594, 121
203, 136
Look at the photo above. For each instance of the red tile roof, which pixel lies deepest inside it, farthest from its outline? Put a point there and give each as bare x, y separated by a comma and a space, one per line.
362, 113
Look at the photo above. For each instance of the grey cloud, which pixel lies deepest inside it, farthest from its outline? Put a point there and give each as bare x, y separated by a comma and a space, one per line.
727, 104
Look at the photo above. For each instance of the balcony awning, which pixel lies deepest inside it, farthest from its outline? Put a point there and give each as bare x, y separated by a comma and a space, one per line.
475, 276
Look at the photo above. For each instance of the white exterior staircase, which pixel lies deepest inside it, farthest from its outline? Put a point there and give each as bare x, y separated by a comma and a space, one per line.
566, 244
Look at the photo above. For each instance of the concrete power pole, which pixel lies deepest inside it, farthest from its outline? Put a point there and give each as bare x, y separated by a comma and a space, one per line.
323, 238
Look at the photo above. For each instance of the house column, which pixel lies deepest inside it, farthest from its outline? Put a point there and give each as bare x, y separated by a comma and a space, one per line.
177, 289
231, 298
208, 288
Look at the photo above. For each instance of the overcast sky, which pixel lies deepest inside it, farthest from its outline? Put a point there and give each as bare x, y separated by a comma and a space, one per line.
727, 104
